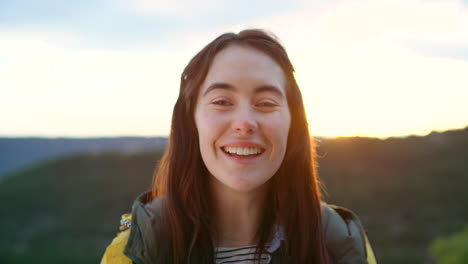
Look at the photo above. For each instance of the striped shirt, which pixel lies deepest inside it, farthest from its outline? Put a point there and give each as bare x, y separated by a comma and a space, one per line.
246, 255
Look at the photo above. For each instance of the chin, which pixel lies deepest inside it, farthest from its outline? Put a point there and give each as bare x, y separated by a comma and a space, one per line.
242, 186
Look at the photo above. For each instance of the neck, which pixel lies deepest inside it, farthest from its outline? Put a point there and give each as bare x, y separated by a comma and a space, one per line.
237, 215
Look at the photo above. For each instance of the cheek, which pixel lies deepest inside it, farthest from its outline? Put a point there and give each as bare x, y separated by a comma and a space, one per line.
209, 129
276, 132
279, 130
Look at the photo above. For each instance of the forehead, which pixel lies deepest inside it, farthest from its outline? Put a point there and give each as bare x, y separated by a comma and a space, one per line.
241, 65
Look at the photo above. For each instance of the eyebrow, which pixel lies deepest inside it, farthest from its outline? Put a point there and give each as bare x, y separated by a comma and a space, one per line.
258, 89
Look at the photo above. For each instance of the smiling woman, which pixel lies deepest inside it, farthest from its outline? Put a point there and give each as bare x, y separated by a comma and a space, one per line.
243, 120
238, 181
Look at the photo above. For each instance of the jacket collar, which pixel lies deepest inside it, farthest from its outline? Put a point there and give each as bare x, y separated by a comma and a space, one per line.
343, 231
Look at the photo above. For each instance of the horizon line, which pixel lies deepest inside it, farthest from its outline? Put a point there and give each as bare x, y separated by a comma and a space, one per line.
91, 136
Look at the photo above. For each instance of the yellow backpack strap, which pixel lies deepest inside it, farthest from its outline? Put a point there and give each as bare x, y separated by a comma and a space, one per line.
114, 252
370, 251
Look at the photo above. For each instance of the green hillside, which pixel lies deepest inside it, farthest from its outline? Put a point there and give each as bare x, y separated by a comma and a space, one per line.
407, 191
66, 211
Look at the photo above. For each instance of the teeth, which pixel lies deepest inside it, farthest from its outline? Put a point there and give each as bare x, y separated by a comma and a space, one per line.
242, 151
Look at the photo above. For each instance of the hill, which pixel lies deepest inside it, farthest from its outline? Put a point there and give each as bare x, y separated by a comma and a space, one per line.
407, 192
66, 211
16, 153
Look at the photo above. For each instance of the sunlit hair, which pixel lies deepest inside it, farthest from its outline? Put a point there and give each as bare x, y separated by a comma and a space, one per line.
293, 199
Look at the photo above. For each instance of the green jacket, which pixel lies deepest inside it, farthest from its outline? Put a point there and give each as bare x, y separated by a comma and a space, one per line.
346, 239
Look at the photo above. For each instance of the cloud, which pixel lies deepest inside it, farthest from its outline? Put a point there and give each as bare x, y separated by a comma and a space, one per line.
354, 20
362, 69
367, 26
365, 67
48, 89
100, 23
412, 25
206, 13
175, 8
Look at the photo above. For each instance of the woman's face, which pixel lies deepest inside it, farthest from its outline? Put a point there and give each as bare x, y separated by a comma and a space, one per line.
243, 119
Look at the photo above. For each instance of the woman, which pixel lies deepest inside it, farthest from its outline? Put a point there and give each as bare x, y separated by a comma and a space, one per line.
238, 181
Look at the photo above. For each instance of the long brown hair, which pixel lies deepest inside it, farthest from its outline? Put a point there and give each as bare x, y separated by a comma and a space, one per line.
293, 199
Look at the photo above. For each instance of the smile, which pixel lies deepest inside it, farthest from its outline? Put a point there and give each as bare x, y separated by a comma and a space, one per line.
243, 151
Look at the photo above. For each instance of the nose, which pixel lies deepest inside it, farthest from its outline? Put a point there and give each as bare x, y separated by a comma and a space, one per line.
244, 122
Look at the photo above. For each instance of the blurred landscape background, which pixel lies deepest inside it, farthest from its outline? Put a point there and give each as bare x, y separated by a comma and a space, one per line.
87, 90
65, 203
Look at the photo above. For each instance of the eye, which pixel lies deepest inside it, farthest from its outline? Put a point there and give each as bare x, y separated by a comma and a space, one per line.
222, 102
267, 104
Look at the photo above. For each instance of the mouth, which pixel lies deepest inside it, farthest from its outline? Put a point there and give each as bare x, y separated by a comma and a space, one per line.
243, 152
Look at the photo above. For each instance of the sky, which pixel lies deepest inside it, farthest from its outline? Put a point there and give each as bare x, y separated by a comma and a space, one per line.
112, 68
